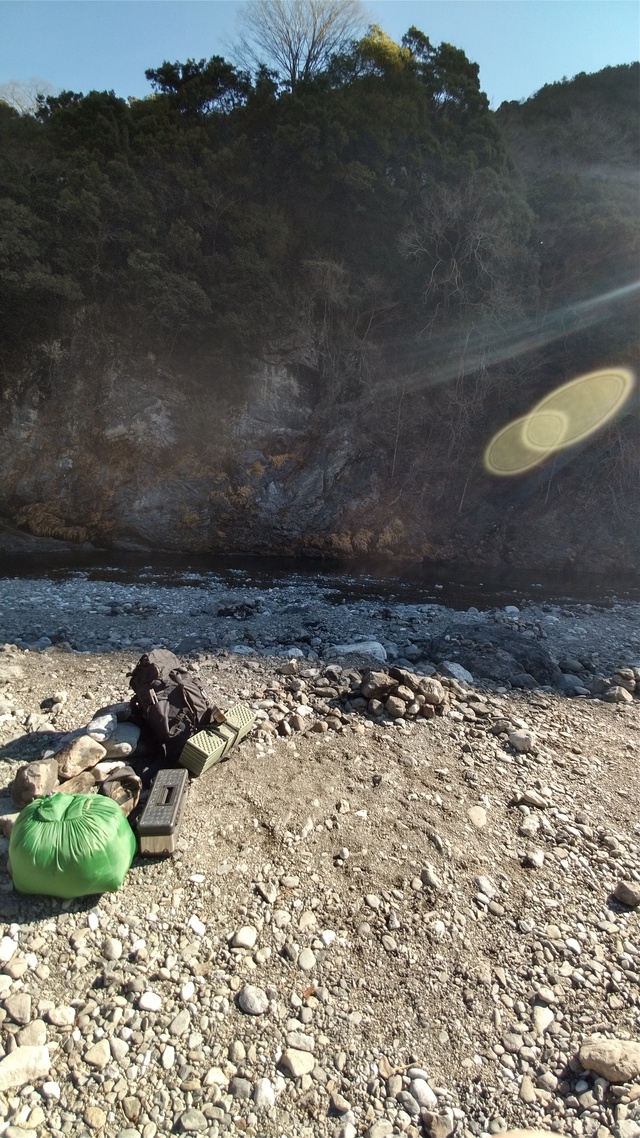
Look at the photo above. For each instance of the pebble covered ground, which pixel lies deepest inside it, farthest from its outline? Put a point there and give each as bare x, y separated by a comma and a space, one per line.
377, 921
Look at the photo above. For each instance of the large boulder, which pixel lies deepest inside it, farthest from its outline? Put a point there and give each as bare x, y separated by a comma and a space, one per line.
493, 653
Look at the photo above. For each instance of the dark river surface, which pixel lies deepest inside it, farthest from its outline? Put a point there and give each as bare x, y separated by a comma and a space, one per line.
342, 581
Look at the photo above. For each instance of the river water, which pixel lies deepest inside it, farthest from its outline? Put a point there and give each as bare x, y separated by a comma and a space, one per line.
455, 588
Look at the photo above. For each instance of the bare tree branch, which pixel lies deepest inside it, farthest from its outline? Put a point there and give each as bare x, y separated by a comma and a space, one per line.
296, 38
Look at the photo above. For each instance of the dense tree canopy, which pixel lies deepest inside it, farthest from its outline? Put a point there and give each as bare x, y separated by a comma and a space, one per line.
371, 200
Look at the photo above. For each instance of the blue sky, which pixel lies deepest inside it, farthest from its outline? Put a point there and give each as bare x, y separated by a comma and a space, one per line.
107, 44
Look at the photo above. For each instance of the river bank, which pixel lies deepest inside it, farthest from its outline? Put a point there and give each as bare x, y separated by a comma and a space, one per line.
424, 906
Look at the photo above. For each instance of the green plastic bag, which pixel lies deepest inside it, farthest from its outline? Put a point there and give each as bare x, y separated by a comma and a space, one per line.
70, 845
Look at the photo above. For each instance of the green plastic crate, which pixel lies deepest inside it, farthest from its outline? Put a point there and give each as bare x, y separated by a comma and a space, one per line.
209, 746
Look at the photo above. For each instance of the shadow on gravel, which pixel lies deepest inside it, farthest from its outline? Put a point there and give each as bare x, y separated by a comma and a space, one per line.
28, 748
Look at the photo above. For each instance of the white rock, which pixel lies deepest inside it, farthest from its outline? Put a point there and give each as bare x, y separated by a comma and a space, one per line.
187, 991
542, 1017
62, 1016
196, 925
168, 1057
477, 816
244, 937
150, 1002
617, 1060
22, 1066
7, 949
216, 1077
297, 1063
264, 1095
380, 1129
51, 1090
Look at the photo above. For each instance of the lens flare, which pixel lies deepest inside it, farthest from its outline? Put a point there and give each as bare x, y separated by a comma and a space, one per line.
567, 416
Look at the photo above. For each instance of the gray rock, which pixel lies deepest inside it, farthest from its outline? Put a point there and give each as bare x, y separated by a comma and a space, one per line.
192, 1121
628, 892
455, 671
241, 1089
122, 741
254, 1001
362, 648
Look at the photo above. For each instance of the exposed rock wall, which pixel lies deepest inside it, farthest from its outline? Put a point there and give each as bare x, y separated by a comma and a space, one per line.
133, 453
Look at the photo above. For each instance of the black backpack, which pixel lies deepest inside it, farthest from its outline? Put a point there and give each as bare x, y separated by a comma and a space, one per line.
169, 701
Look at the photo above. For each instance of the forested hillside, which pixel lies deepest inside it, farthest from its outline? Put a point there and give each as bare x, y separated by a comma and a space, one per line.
242, 314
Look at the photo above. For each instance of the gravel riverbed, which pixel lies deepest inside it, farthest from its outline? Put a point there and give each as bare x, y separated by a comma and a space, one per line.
378, 921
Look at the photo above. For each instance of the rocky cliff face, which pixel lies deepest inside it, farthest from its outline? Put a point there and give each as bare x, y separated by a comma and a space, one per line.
135, 453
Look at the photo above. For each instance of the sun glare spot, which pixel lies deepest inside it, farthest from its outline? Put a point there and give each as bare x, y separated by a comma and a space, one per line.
563, 418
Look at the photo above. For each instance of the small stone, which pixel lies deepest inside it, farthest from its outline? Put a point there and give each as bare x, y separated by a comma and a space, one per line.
244, 937
429, 877
112, 948
617, 1060
339, 1104
542, 1018
372, 900
18, 1007
300, 1041
62, 1016
423, 1094
254, 1001
628, 892
119, 1048
241, 1089
98, 1055
527, 1092
297, 1063
181, 1023
533, 858
52, 1090
192, 1121
268, 891
521, 741
306, 960
122, 741
150, 1002
380, 1129
95, 1117
264, 1095
196, 925
617, 694
477, 816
